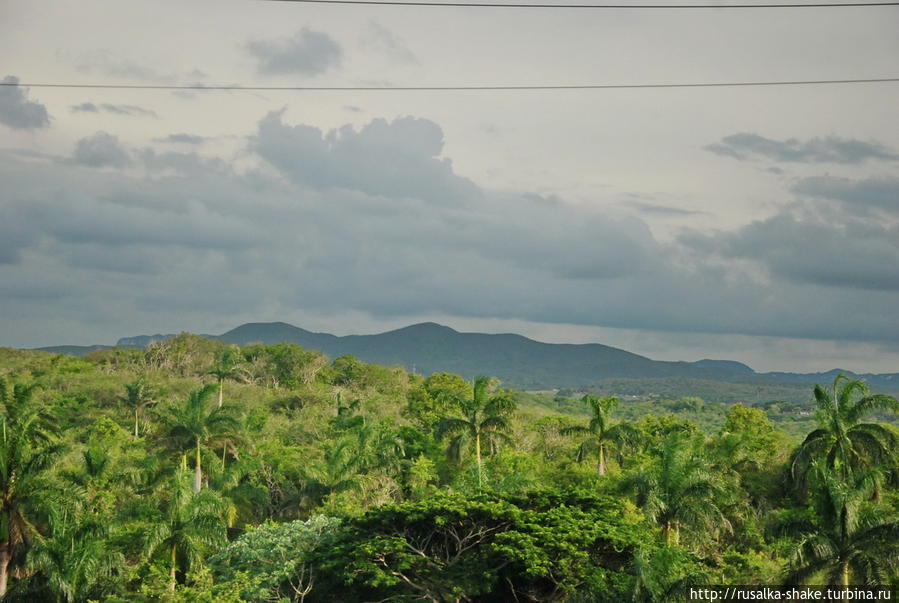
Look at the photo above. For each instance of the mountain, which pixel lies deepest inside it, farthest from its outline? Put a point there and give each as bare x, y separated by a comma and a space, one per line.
518, 361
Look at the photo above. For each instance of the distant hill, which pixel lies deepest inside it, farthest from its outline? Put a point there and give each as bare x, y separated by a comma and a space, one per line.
73, 350
520, 362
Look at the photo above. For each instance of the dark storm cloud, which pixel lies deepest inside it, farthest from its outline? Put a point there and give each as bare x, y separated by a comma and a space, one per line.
130, 110
16, 111
307, 52
859, 195
101, 150
395, 159
374, 220
831, 149
852, 254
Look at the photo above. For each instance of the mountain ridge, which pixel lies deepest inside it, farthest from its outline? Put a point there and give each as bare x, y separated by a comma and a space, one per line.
519, 361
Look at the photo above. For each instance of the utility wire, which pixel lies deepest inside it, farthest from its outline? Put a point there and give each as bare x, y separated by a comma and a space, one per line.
201, 87
611, 6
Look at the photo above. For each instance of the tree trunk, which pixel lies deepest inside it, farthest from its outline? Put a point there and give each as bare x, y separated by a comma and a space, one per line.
135, 422
221, 391
601, 467
4, 567
477, 454
198, 471
173, 570
844, 576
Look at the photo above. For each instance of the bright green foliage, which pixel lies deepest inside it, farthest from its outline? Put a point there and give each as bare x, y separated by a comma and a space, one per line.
276, 555
540, 548
842, 441
603, 438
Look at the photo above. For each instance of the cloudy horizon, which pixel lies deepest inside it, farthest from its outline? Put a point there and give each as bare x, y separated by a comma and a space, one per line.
752, 224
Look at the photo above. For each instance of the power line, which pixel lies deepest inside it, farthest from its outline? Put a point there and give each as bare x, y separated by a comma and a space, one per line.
203, 87
610, 6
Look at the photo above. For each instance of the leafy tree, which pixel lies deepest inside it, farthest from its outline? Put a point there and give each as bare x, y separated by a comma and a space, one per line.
842, 440
602, 436
846, 538
679, 488
194, 425
484, 421
277, 556
543, 547
189, 525
27, 455
138, 396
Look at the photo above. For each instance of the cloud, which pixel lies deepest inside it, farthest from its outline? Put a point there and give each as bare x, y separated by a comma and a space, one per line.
662, 210
183, 139
101, 150
852, 254
306, 53
860, 195
16, 111
832, 149
130, 110
378, 38
395, 159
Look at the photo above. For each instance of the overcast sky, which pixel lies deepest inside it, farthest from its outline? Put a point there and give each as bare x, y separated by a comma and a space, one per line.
754, 224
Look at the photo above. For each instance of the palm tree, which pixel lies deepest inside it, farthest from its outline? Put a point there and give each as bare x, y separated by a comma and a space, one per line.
842, 440
679, 488
335, 473
227, 366
27, 454
194, 425
602, 437
485, 420
191, 522
75, 561
847, 539
138, 396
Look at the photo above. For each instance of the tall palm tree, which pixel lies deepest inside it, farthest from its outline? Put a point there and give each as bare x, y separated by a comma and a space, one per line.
75, 561
847, 539
227, 366
138, 396
602, 437
191, 523
678, 488
842, 441
194, 425
27, 454
484, 421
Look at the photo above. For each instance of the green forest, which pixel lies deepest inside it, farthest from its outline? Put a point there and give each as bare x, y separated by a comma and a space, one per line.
194, 470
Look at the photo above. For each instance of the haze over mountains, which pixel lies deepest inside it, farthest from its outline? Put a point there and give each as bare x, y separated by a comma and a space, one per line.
520, 362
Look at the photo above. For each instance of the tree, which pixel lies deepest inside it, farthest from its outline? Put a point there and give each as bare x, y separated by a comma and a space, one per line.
842, 441
75, 562
845, 539
678, 488
138, 396
194, 425
485, 420
27, 454
227, 366
190, 523
602, 436
542, 547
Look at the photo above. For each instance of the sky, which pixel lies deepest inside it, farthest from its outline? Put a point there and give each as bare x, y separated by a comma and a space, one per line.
758, 224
